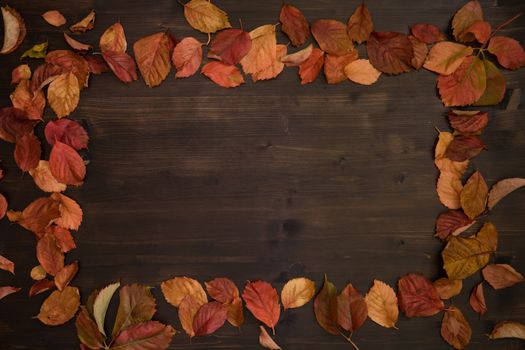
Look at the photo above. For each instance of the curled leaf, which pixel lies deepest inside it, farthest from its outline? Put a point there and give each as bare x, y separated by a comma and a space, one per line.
77, 45
508, 329
7, 265
22, 72
8, 290
465, 17
266, 340
295, 59
85, 24
14, 30
38, 273
477, 299
502, 188
36, 51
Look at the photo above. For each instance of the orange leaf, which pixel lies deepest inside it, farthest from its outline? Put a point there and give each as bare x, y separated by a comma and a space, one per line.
332, 37
449, 189
63, 94
8, 290
7, 265
501, 276
153, 56
64, 276
295, 59
54, 17
275, 69
310, 69
263, 52
362, 72
60, 307
235, 312
479, 30
263, 302
477, 299
465, 17
360, 24
334, 67
187, 310
49, 254
205, 16
114, 39
31, 102
455, 329
176, 289
448, 288
77, 45
297, 292
85, 24
44, 179
70, 212
445, 57
223, 75
266, 341
3, 206
474, 195
66, 165
187, 57
382, 304
294, 24
466, 85
38, 215
508, 329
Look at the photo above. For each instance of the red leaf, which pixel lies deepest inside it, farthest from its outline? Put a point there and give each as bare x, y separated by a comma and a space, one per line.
334, 67
223, 74
351, 309
7, 265
479, 30
263, 302
509, 52
427, 33
66, 131
87, 330
7, 290
464, 147
310, 69
27, 152
390, 52
294, 24
22, 72
209, 318
77, 45
466, 85
14, 124
49, 255
465, 17
230, 46
477, 299
468, 122
418, 297
39, 214
66, 165
122, 65
222, 289
40, 287
420, 52
150, 335
452, 222
187, 57
332, 37
96, 64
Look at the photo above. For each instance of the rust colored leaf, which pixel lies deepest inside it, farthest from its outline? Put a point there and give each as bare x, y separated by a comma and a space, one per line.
275, 69
508, 329
509, 52
187, 57
464, 147
310, 69
68, 132
22, 72
7, 265
501, 276
96, 64
38, 215
477, 299
84, 25
390, 52
205, 16
263, 302
360, 24
44, 179
496, 86
420, 52
449, 188
351, 309
465, 17
427, 33
77, 45
445, 57
45, 74
49, 254
87, 330
209, 318
145, 335
66, 164
68, 62
114, 39
14, 30
3, 206
474, 195
448, 288
382, 306
479, 30
8, 290
295, 59
332, 37
54, 17
362, 72
223, 75
177, 288
40, 287
222, 289
122, 65
187, 310
63, 94
297, 292
230, 46
326, 308
455, 329
468, 122
503, 188
236, 312
334, 67
63, 236
60, 307
27, 152
153, 56
463, 257
14, 124
466, 85
266, 341
31, 102
263, 52
452, 223
66, 275
294, 24
418, 297
137, 304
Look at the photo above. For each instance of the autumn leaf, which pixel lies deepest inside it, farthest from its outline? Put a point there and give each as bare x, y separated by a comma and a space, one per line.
209, 318
38, 273
427, 33
63, 236
63, 94
230, 46
295, 59
448, 288
66, 131
445, 57
420, 52
266, 341
465, 17
488, 236
145, 335
14, 29
334, 67
31, 102
153, 56
37, 215
263, 302
297, 292
236, 312
44, 179
66, 164
275, 69
7, 265
49, 255
77, 45
477, 299
294, 24
85, 24
64, 276
114, 39
14, 124
8, 290
474, 195
27, 152
60, 307
501, 276
455, 329
390, 52
222, 289
466, 85
462, 148
496, 86
96, 64
462, 257
503, 188
137, 304
187, 310
362, 72
310, 69
479, 30
205, 16
3, 206
177, 288
122, 65
223, 75
360, 24
70, 212
326, 308
332, 37
418, 297
187, 57
468, 121
40, 287
45, 74
101, 304
20, 73
263, 52
508, 329
351, 309
509, 52
68, 62
87, 330
36, 51
54, 17
452, 223
382, 304
449, 188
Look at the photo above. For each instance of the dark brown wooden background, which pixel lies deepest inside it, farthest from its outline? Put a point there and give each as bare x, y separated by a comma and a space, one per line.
268, 181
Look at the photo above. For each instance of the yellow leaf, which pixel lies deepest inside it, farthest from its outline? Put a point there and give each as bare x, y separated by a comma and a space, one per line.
63, 94
263, 52
462, 257
187, 310
205, 17
382, 306
297, 292
176, 289
37, 51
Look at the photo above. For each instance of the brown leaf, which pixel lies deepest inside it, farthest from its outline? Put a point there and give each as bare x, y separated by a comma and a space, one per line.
44, 179
210, 317
31, 102
27, 152
455, 329
96, 64
60, 307
452, 223
418, 297
501, 276
509, 52
448, 288
263, 302
326, 308
464, 147
20, 73
496, 86
294, 24
114, 39
466, 85
66, 275
14, 124
332, 37
362, 72
40, 287
449, 188
508, 329
87, 330
382, 304
479, 30
477, 299
54, 17
465, 17
153, 56
77, 45
427, 33
360, 24
222, 289
205, 17
297, 292
14, 30
263, 52
63, 94
137, 304
310, 69
502, 188
87, 23
223, 75
177, 288
187, 310
187, 57
351, 309
45, 74
66, 164
68, 62
446, 57
275, 69
145, 335
468, 121
49, 254
295, 59
334, 67
7, 265
122, 65
236, 312
488, 236
474, 195
462, 257
266, 341
390, 52
8, 290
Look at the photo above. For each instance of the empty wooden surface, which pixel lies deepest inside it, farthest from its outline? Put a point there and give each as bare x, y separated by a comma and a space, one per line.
267, 181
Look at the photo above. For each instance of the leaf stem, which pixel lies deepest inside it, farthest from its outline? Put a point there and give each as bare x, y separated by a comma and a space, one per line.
349, 339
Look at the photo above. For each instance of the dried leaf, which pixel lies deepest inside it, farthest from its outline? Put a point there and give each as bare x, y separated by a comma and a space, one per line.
7, 265
362, 72
22, 72
297, 292
449, 188
153, 56
295, 59
38, 215
44, 179
96, 64
294, 24
382, 304
418, 297
31, 102
236, 313
67, 131
448, 288
45, 74
263, 52
509, 52
60, 307
146, 335
390, 52
468, 122
310, 69
230, 46
210, 317
420, 52
360, 24
87, 23
351, 309
49, 254
326, 308
14, 124
40, 287
122, 65
446, 57
427, 33
14, 30
69, 62
177, 288
137, 304
66, 164
87, 330
496, 86
70, 212
54, 17
38, 273
63, 94
488, 236
501, 276
332, 37
502, 188
66, 275
466, 85
205, 16
187, 310
101, 304
465, 17
275, 69
263, 302
64, 238
114, 39
77, 45
223, 75
27, 152
455, 329
187, 57
3, 206
474, 195
222, 289
36, 51
508, 329
334, 67
8, 290
479, 30
266, 341
452, 223
477, 299
462, 257
464, 147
